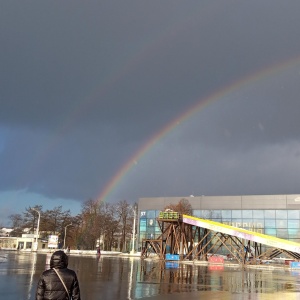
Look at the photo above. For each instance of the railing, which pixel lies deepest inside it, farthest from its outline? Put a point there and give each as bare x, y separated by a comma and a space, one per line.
173, 215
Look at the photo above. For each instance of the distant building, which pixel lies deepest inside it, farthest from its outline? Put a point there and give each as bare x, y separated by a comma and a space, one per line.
26, 242
8, 242
5, 231
275, 215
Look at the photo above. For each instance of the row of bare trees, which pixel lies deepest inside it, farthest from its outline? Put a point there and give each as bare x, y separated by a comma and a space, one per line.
109, 223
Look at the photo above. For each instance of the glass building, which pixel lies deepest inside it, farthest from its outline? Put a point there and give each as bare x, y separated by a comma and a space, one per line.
275, 215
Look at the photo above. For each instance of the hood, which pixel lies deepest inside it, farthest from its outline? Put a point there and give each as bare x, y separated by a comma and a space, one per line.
59, 260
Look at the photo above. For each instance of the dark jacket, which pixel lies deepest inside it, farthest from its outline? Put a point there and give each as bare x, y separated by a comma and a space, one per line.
50, 286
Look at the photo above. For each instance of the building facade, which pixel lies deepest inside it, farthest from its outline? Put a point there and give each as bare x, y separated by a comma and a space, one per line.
26, 242
275, 215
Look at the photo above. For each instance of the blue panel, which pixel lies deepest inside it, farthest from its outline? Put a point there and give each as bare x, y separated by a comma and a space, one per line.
172, 257
295, 265
172, 265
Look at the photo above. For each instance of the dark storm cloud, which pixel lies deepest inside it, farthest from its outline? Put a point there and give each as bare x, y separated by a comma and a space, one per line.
84, 85
55, 57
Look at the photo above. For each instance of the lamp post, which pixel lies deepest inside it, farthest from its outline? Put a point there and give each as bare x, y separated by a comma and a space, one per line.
35, 246
133, 229
66, 235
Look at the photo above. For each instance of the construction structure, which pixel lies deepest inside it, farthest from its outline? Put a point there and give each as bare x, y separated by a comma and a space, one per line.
192, 238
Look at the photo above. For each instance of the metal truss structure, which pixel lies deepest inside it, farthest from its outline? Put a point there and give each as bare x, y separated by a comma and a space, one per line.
197, 239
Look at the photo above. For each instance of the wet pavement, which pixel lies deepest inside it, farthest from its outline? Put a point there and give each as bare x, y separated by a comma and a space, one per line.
113, 278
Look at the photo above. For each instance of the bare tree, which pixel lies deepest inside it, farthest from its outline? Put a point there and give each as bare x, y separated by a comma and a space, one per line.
54, 220
183, 207
125, 215
17, 220
31, 217
92, 223
17, 224
111, 225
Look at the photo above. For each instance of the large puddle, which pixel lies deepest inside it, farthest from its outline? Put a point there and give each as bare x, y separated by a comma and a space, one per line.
112, 278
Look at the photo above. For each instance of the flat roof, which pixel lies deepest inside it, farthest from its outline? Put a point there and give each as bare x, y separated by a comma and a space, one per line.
242, 202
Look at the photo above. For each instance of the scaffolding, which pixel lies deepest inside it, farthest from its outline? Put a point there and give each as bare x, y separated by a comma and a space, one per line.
194, 238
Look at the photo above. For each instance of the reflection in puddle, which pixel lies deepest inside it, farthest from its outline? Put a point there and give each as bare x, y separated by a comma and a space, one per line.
192, 278
103, 277
32, 271
130, 285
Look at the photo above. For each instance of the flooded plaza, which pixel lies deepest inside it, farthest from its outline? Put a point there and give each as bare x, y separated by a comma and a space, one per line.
115, 277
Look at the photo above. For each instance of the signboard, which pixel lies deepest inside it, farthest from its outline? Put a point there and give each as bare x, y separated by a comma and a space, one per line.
53, 241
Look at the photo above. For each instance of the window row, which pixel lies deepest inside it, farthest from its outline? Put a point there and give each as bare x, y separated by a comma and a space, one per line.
234, 214
288, 234
251, 224
248, 214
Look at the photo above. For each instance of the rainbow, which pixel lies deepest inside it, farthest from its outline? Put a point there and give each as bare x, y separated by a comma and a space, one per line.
201, 104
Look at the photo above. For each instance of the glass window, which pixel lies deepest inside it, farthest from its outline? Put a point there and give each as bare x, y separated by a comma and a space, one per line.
217, 220
157, 229
293, 224
209, 214
294, 233
247, 223
269, 214
269, 223
247, 214
236, 214
226, 214
282, 233
216, 214
293, 214
206, 214
197, 213
143, 225
270, 231
281, 214
143, 235
150, 233
157, 213
258, 223
151, 222
236, 222
150, 214
259, 214
281, 223
226, 221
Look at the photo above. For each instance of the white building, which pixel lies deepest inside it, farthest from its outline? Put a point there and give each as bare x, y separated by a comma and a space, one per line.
26, 242
5, 231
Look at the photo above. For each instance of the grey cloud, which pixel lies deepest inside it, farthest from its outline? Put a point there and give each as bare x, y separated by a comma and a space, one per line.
83, 86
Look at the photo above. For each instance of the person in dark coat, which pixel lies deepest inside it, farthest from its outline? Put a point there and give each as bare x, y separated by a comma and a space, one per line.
50, 286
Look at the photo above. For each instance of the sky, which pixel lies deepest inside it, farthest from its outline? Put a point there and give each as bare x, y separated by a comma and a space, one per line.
121, 100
